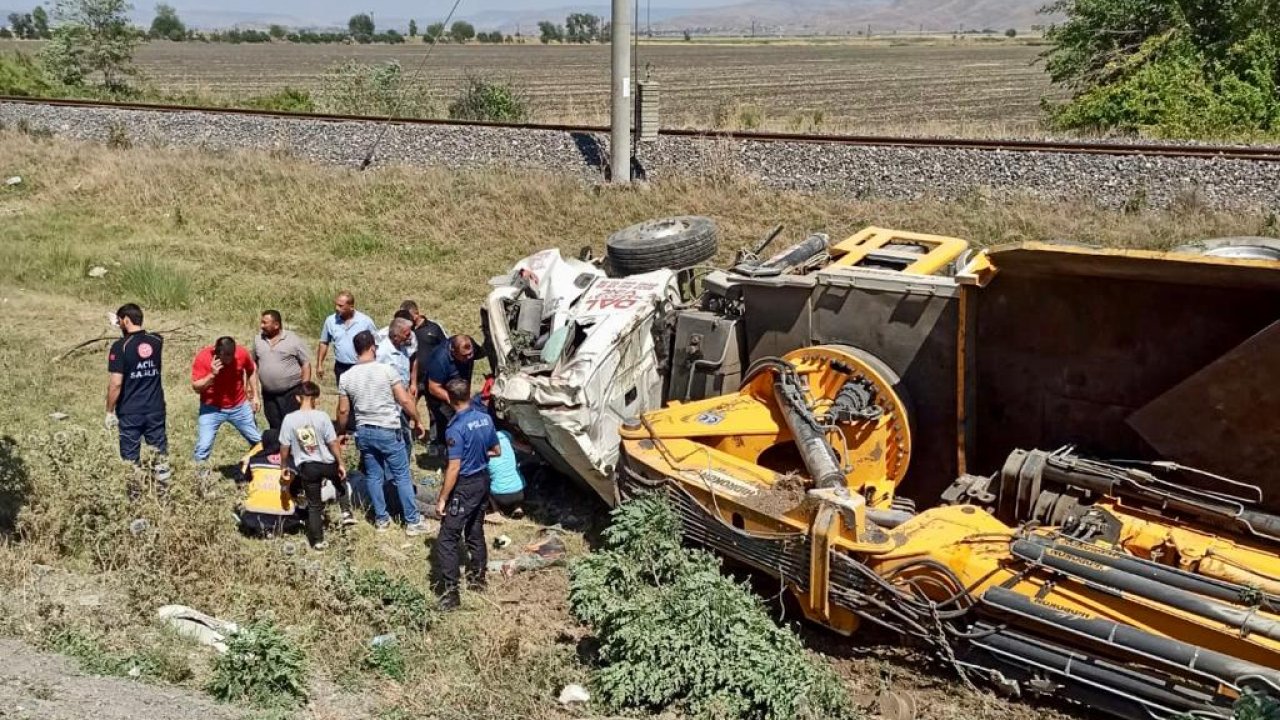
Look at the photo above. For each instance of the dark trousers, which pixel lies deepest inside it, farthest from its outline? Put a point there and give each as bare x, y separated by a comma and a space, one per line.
463, 518
506, 502
339, 368
313, 475
135, 428
275, 405
441, 414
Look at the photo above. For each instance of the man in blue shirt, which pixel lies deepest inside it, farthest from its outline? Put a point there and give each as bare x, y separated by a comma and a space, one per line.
455, 358
472, 440
135, 394
339, 329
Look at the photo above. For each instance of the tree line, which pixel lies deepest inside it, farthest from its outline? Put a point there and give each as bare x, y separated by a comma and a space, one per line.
167, 25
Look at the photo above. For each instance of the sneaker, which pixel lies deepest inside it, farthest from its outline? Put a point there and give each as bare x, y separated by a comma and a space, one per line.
348, 519
382, 525
416, 529
450, 601
320, 546
517, 513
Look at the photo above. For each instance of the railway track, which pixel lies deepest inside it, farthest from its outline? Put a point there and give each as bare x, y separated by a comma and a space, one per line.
1225, 152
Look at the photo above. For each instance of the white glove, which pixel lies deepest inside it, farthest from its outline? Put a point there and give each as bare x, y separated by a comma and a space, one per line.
111, 422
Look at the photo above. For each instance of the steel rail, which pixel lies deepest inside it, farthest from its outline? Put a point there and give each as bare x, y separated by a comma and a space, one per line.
1194, 151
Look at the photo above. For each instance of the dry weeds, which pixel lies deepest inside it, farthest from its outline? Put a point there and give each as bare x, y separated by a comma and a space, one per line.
245, 232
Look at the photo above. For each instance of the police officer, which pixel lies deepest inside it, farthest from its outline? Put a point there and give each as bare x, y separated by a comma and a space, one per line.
135, 394
471, 440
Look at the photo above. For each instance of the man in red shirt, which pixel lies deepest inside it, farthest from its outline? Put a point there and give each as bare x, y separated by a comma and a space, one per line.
226, 379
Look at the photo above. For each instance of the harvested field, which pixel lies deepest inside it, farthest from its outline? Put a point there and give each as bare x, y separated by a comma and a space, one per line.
963, 87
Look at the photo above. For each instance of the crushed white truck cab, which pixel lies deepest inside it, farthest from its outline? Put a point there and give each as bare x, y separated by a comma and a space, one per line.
575, 355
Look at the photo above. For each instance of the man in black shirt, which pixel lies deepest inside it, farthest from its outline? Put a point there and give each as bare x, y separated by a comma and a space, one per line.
429, 335
135, 394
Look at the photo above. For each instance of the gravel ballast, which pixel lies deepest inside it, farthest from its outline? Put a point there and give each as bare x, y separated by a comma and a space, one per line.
866, 172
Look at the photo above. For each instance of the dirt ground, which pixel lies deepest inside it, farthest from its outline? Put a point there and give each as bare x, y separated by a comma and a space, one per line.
42, 686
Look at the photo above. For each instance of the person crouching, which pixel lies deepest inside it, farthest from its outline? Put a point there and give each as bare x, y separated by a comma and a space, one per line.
309, 441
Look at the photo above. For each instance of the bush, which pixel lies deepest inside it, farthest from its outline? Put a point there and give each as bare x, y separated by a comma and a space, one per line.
23, 77
676, 634
357, 89
287, 99
485, 100
386, 659
154, 284
402, 604
260, 666
1172, 68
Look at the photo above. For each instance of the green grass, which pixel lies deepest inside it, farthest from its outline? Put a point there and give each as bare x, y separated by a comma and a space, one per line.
154, 283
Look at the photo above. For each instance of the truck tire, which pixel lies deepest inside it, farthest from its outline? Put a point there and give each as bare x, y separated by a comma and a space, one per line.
675, 243
1242, 247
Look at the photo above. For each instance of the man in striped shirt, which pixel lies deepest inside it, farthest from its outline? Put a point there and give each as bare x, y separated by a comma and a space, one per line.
371, 397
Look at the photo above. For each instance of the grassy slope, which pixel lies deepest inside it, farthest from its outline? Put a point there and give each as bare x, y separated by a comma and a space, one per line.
208, 241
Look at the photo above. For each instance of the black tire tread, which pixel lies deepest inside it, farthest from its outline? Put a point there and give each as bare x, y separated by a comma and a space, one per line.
631, 252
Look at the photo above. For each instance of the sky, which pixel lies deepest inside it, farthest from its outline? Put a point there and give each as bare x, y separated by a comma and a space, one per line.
341, 9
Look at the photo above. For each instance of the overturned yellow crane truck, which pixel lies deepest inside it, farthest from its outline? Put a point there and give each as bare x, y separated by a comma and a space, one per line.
1056, 467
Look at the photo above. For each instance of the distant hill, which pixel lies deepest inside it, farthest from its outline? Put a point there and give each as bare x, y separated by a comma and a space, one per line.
804, 17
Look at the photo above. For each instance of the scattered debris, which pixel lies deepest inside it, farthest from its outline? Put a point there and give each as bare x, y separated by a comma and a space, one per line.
545, 552
574, 694
384, 640
190, 623
15, 180
897, 706
501, 541
59, 416
97, 271
139, 526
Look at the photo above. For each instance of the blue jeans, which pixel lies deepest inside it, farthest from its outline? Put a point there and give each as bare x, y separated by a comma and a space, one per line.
383, 453
212, 418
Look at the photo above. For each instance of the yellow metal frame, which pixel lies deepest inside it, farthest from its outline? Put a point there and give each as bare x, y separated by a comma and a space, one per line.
942, 250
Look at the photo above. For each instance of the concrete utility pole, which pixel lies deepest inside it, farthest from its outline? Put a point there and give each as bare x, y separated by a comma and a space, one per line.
620, 139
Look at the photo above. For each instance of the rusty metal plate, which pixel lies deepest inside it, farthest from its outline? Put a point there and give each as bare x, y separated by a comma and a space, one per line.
1142, 265
1226, 417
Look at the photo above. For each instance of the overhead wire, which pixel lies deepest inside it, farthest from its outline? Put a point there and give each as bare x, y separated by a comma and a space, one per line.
386, 124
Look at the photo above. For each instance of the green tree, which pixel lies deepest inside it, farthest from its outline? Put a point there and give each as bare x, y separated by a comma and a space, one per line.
277, 32
435, 31
361, 27
167, 24
1168, 67
549, 32
582, 27
461, 31
1011, 33
6, 34
413, 28
93, 39
40, 22
22, 25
